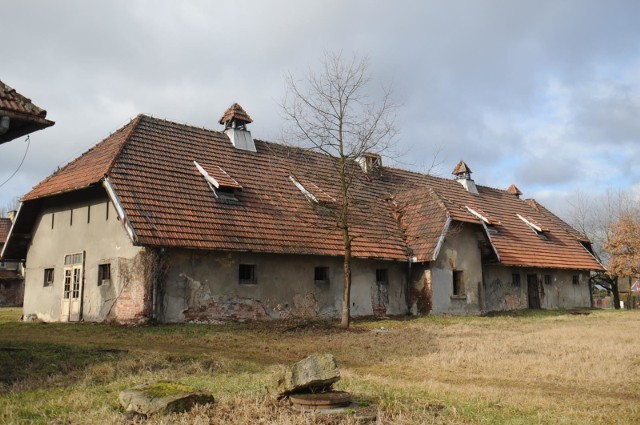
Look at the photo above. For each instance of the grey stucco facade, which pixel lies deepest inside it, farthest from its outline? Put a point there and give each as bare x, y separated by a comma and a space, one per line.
92, 230
186, 285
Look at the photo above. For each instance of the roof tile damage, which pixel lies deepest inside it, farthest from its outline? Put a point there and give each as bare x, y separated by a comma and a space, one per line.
397, 214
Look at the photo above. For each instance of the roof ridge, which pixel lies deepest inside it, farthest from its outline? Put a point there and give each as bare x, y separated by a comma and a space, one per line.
133, 125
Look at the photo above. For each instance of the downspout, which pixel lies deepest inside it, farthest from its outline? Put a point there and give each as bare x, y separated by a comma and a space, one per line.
4, 124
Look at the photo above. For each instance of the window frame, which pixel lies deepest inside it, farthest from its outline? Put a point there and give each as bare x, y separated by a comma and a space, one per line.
249, 269
321, 275
548, 279
104, 279
49, 277
457, 285
516, 280
575, 279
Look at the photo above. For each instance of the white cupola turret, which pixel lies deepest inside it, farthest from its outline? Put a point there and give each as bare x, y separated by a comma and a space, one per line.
463, 176
235, 121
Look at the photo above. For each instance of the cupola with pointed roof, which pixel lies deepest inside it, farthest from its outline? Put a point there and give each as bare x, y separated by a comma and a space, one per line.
463, 176
513, 189
235, 120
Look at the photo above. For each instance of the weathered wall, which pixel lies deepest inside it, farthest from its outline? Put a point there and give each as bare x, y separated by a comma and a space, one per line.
104, 240
502, 294
204, 286
459, 252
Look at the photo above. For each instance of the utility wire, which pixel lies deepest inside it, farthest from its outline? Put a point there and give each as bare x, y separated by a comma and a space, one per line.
21, 162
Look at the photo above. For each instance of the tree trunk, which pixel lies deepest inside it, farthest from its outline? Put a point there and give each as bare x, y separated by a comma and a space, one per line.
616, 295
346, 288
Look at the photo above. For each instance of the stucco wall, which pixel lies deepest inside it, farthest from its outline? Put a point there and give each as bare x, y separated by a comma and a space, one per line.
561, 293
459, 252
84, 227
204, 286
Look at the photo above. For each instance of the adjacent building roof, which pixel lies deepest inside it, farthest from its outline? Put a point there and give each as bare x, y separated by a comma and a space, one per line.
148, 167
24, 117
5, 226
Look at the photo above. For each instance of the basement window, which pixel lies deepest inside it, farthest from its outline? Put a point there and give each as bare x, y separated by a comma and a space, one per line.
247, 274
48, 277
104, 274
221, 184
458, 284
547, 279
321, 275
515, 280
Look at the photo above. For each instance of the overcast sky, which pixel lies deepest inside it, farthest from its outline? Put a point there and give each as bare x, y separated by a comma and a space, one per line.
543, 94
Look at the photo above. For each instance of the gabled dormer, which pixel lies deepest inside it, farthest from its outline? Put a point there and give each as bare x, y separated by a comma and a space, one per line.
235, 121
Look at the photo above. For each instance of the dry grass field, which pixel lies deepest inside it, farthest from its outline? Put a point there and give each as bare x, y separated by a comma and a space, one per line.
532, 368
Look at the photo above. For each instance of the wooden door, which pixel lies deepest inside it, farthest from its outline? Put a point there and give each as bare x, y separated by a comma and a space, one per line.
72, 294
533, 291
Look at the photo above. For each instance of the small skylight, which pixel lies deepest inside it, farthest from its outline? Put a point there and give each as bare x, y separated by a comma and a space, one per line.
219, 181
311, 191
482, 216
534, 226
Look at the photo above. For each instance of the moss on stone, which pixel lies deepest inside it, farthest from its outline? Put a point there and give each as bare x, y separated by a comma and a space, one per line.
166, 389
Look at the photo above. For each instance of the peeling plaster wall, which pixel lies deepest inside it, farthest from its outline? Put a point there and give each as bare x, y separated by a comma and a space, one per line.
460, 252
104, 241
562, 293
204, 287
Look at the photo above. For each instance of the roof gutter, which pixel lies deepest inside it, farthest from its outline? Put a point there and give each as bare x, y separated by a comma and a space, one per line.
445, 230
121, 214
13, 225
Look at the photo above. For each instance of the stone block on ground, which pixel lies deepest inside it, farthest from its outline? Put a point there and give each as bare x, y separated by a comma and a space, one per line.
162, 397
317, 371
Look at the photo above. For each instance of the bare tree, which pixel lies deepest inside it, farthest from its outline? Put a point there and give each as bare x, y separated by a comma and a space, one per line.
10, 206
597, 217
330, 112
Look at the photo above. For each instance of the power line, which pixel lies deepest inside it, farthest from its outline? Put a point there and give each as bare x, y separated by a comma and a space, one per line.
28, 140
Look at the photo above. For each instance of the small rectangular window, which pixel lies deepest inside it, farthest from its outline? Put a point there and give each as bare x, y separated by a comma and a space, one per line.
321, 275
547, 279
88, 213
247, 274
48, 277
71, 218
576, 279
104, 274
53, 216
107, 213
458, 283
515, 279
382, 276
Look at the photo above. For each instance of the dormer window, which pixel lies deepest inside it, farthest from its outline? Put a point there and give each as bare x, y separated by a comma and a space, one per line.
537, 228
482, 216
311, 191
221, 184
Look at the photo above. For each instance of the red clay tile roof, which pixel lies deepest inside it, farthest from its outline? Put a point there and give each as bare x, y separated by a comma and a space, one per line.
5, 226
24, 115
236, 112
86, 170
397, 214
